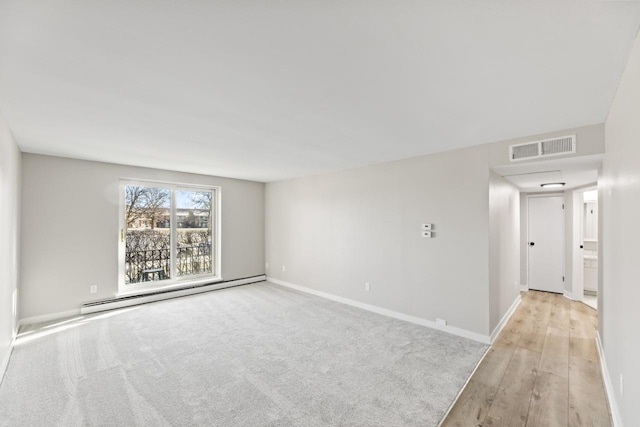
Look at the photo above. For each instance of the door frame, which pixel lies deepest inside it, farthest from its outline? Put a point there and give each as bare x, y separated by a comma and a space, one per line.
174, 282
564, 239
578, 240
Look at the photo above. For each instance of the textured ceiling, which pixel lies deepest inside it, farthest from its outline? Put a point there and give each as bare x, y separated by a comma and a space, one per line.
277, 89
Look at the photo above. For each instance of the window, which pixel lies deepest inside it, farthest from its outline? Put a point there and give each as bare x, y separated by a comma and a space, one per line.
169, 235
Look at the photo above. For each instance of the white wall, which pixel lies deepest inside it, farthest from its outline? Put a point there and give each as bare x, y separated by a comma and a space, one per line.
70, 229
619, 196
569, 226
9, 239
504, 247
336, 231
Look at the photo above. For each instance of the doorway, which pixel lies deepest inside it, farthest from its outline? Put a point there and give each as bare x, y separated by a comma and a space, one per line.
546, 243
589, 214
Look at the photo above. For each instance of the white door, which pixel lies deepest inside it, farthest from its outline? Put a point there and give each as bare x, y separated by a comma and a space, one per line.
546, 243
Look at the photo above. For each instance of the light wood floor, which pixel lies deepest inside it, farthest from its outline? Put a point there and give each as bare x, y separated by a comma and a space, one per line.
543, 370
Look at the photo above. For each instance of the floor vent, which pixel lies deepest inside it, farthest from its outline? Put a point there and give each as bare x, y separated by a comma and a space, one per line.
544, 148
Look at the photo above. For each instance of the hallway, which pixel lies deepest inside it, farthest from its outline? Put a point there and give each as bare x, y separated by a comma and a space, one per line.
543, 370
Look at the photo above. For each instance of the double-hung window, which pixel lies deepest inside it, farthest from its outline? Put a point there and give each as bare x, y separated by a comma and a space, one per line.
169, 235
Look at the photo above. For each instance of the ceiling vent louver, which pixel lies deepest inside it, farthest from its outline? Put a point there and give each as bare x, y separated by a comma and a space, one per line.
544, 148
524, 151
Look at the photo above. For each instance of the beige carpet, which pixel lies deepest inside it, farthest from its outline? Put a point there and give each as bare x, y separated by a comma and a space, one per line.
255, 355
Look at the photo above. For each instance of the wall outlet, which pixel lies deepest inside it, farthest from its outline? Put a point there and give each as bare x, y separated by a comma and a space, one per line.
367, 287
441, 322
621, 386
93, 289
284, 268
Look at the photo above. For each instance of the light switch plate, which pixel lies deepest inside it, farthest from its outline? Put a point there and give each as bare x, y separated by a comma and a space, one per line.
426, 234
426, 227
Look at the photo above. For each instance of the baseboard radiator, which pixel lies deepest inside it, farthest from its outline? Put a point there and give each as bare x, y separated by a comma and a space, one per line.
130, 300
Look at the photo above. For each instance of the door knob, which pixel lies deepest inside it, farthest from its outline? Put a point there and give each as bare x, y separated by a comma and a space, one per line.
531, 243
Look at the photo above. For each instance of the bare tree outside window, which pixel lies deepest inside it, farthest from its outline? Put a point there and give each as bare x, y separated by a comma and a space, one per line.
148, 219
146, 204
134, 196
202, 200
155, 202
195, 233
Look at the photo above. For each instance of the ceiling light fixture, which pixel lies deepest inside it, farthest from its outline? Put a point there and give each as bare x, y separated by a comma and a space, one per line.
552, 185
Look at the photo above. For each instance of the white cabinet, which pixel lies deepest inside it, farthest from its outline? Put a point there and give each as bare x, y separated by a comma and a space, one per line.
591, 274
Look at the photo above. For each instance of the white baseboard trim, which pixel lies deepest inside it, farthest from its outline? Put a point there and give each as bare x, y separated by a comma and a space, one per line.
386, 312
524, 288
608, 385
48, 317
505, 319
143, 299
568, 295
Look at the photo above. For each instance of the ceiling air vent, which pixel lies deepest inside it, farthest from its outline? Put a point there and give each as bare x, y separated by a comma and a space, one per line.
544, 148
524, 151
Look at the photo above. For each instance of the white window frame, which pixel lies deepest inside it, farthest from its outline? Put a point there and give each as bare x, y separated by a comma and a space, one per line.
174, 282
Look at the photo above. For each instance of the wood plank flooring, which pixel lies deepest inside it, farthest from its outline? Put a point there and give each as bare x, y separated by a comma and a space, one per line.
543, 370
